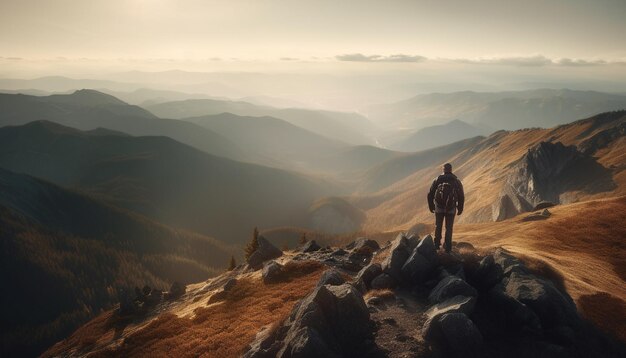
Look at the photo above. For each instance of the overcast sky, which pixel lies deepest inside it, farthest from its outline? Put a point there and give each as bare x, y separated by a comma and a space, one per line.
274, 29
478, 41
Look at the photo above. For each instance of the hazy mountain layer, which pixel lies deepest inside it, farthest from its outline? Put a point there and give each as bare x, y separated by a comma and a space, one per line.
88, 109
500, 110
351, 128
438, 135
65, 256
163, 179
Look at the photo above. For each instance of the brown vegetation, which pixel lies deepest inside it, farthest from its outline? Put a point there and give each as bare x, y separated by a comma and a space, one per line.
223, 329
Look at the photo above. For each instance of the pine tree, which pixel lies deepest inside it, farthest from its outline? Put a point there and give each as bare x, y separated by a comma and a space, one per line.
232, 264
303, 239
252, 245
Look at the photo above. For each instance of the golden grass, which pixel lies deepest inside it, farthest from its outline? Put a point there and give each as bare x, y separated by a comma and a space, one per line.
218, 330
582, 245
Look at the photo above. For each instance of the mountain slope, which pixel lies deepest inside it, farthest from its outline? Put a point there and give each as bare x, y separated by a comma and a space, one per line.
500, 110
259, 312
66, 256
88, 109
163, 179
436, 136
350, 128
277, 140
496, 172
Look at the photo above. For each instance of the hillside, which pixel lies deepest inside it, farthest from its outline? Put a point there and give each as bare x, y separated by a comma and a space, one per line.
350, 128
367, 300
89, 109
163, 179
578, 161
437, 136
279, 142
500, 110
66, 256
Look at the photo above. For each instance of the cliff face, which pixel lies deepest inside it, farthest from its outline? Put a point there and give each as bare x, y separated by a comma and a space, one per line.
547, 171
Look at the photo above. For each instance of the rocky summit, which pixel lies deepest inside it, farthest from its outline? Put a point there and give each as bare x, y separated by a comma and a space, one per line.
401, 299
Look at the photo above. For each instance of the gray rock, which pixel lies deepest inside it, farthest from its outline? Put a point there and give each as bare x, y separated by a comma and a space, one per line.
456, 334
307, 343
553, 307
332, 321
417, 268
511, 313
412, 240
462, 245
398, 254
365, 246
331, 277
310, 246
488, 273
340, 252
449, 287
266, 251
546, 213
383, 281
367, 274
507, 262
457, 304
426, 248
271, 272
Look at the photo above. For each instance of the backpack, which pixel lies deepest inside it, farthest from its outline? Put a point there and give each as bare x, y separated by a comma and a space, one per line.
446, 196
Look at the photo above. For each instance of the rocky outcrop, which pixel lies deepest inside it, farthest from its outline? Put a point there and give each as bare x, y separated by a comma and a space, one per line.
544, 173
333, 321
272, 271
265, 251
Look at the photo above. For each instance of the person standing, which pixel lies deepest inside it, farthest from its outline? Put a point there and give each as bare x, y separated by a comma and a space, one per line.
445, 198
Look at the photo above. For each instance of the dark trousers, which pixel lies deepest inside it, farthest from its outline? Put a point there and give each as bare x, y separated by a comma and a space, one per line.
439, 219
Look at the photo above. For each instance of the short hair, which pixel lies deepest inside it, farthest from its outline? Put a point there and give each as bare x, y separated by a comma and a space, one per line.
447, 167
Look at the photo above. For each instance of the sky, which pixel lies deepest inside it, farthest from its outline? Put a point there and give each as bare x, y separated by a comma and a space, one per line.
479, 40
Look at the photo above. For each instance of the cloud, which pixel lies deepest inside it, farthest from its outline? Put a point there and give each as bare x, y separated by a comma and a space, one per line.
289, 59
524, 61
359, 57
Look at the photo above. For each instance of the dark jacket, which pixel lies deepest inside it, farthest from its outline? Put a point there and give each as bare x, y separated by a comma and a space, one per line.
446, 178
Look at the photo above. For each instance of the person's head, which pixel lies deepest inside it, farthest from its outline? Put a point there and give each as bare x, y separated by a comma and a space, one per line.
447, 168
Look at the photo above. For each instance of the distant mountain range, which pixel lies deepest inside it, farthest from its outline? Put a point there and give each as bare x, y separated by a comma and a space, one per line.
88, 109
543, 108
163, 179
350, 128
439, 135
66, 256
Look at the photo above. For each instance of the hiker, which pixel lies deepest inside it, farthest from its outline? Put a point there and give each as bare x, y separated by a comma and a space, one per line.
445, 199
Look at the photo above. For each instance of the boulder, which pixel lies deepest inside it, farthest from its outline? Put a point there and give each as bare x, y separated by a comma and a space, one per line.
553, 307
310, 246
339, 252
272, 272
331, 277
398, 254
456, 334
366, 275
332, 321
266, 251
449, 287
417, 268
487, 274
510, 312
383, 281
546, 213
426, 248
154, 297
365, 246
412, 240
507, 262
456, 304
466, 246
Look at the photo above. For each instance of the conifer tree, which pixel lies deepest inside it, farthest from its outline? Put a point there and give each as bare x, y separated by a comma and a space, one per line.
253, 244
303, 239
232, 264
